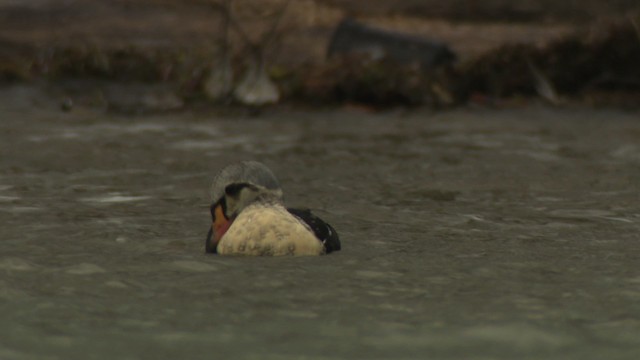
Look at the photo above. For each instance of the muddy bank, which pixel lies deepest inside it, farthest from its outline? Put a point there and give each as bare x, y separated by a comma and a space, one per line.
491, 10
164, 66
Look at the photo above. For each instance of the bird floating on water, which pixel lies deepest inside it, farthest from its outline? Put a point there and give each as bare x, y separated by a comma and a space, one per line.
249, 217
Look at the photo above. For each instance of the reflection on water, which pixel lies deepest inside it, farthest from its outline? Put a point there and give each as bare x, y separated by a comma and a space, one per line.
465, 235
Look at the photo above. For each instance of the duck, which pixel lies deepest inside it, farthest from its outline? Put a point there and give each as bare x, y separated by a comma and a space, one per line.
249, 217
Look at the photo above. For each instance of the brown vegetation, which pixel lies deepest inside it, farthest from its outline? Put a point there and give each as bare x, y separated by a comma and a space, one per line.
578, 65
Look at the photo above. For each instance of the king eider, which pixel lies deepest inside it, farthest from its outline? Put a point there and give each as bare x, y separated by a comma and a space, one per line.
249, 217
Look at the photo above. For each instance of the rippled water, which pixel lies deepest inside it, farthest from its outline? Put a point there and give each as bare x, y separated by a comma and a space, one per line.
470, 234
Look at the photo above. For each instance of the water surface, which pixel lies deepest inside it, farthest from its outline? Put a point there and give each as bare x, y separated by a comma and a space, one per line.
472, 234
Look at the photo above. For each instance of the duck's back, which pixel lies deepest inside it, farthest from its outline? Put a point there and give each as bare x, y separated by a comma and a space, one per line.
268, 230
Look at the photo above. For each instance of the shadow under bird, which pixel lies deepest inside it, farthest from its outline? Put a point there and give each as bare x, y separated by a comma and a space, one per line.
249, 217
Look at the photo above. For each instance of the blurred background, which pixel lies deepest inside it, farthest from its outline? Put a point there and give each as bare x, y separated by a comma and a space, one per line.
180, 42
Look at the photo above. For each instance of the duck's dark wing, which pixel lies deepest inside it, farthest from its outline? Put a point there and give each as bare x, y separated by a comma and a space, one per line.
323, 231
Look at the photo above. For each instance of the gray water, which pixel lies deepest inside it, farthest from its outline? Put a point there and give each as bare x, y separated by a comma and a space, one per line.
467, 234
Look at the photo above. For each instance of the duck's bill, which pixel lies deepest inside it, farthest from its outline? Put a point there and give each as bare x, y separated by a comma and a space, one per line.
218, 228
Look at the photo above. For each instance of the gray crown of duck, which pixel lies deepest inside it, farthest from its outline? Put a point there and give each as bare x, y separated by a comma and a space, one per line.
251, 172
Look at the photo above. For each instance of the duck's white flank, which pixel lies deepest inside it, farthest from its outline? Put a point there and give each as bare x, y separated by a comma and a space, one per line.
268, 229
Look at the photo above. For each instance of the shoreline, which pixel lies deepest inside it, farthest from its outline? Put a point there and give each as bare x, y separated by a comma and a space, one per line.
499, 62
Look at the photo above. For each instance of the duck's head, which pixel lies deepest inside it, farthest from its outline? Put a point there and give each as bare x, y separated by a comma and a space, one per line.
234, 188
